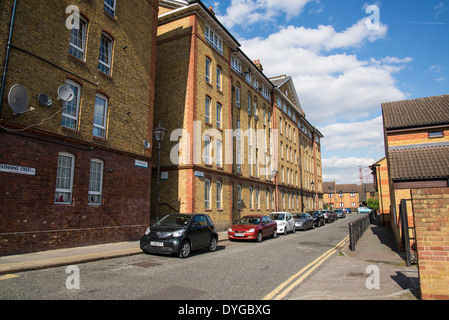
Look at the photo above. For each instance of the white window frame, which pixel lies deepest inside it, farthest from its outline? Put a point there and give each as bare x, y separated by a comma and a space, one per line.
83, 32
103, 126
76, 100
208, 69
237, 96
219, 78
258, 199
93, 194
219, 113
219, 194
207, 193
110, 9
236, 65
106, 66
213, 39
59, 172
207, 150
219, 153
207, 103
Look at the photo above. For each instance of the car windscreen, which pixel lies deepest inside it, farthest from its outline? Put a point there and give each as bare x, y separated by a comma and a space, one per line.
174, 220
249, 220
300, 216
277, 216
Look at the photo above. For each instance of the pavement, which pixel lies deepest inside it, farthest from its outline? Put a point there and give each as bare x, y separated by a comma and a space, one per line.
344, 276
376, 270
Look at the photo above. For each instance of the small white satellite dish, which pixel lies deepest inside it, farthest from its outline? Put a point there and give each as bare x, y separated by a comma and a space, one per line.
146, 144
44, 100
65, 93
18, 99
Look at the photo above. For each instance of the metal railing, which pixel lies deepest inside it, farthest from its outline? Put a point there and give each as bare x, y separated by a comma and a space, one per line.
357, 229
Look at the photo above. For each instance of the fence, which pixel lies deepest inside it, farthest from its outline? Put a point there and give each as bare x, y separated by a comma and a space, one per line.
357, 229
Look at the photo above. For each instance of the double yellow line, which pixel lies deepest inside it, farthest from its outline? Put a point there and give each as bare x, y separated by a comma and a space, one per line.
287, 286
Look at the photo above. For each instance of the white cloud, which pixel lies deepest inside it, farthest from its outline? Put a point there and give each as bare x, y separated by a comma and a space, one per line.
252, 11
344, 170
337, 84
353, 136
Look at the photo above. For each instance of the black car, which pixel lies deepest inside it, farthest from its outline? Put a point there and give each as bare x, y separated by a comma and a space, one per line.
318, 218
181, 234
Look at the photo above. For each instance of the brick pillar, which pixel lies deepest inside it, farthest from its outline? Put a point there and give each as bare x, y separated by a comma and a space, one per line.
431, 207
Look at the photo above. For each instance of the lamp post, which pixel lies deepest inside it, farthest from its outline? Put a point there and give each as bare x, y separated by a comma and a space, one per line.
313, 192
159, 134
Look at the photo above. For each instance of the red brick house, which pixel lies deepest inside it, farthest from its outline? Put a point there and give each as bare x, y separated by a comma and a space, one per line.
417, 149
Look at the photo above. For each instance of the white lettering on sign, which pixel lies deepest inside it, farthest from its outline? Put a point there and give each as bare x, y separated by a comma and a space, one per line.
17, 169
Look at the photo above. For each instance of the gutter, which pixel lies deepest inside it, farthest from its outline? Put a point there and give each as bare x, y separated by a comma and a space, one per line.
8, 51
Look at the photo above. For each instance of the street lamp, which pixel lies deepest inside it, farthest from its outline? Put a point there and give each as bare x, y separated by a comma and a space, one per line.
313, 190
159, 134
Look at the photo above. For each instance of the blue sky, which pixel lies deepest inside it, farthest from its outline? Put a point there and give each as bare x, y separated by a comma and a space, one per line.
344, 70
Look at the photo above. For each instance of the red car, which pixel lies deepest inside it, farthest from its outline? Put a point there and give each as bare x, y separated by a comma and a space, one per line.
253, 227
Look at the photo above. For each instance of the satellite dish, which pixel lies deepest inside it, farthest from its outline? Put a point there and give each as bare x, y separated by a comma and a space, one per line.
146, 144
65, 93
18, 99
45, 100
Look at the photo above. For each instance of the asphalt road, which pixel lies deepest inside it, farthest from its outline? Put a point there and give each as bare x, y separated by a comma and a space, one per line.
236, 271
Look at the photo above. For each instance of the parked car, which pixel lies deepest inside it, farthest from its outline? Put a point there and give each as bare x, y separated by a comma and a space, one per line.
318, 218
181, 234
254, 227
284, 220
329, 215
364, 210
303, 221
341, 213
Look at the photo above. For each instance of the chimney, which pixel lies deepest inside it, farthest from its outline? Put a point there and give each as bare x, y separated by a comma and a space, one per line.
258, 65
211, 9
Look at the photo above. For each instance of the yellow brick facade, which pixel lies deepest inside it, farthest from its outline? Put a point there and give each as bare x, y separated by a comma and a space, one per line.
187, 95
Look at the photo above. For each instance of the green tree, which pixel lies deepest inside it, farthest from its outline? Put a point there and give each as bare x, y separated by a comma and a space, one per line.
373, 203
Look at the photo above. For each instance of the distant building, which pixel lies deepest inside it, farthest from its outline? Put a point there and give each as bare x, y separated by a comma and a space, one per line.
347, 195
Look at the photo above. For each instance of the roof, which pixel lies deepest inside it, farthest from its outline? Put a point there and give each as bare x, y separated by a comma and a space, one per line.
417, 112
424, 163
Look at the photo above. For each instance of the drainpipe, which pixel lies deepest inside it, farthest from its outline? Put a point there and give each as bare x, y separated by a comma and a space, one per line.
8, 49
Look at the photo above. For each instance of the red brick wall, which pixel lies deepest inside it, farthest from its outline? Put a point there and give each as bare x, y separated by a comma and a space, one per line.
431, 207
30, 221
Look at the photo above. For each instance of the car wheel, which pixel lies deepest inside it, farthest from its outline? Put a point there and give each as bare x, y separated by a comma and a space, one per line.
275, 233
294, 229
213, 244
259, 237
184, 252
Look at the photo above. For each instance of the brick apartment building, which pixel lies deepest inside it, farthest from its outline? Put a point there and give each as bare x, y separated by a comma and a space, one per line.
238, 141
88, 171
417, 152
